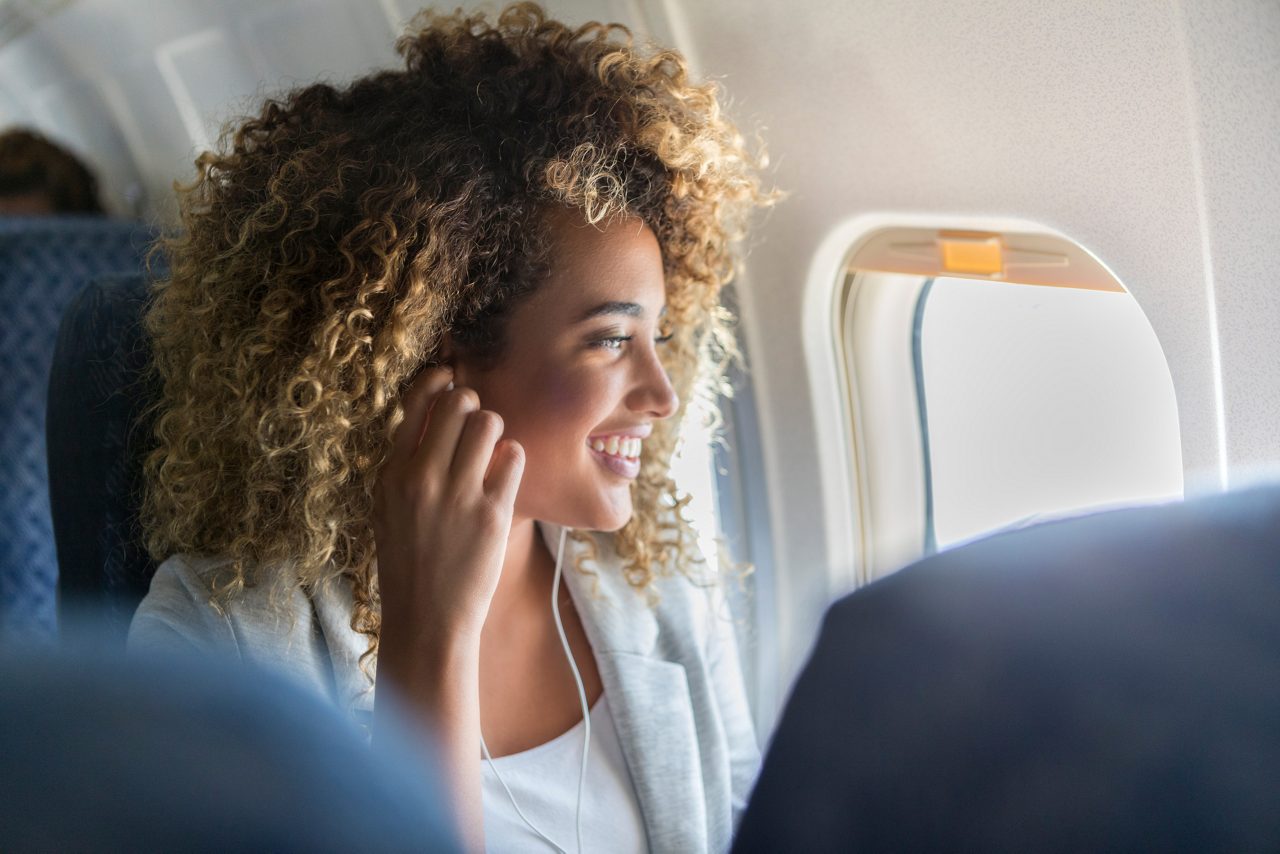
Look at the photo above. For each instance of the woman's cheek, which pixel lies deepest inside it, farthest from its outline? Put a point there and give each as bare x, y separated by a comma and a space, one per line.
564, 391
546, 426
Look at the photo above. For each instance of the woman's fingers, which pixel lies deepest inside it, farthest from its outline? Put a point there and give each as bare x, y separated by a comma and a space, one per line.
475, 449
486, 462
504, 476
434, 456
446, 438
417, 404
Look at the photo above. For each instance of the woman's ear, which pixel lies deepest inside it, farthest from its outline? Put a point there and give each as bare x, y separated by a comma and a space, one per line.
445, 353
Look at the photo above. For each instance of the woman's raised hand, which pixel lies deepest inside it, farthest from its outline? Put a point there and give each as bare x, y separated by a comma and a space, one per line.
442, 514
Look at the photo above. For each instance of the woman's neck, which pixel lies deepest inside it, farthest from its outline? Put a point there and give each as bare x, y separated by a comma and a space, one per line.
526, 571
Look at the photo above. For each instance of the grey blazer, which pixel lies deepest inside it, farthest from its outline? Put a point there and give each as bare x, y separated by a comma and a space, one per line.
671, 672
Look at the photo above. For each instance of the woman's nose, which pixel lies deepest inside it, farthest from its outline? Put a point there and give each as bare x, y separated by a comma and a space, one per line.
653, 393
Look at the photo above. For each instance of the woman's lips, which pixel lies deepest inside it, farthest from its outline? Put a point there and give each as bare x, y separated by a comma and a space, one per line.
618, 465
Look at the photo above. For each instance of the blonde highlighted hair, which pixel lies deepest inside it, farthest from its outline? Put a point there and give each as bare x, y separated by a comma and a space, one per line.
335, 238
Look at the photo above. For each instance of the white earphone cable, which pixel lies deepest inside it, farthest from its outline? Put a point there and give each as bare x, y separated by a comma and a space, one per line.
512, 798
582, 692
586, 717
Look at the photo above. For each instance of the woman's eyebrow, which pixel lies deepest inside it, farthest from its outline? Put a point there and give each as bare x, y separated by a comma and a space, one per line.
626, 309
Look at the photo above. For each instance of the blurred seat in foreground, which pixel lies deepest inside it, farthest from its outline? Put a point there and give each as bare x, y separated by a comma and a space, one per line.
1110, 682
103, 754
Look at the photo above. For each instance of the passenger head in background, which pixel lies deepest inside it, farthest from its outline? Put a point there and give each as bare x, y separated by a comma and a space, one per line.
345, 237
38, 178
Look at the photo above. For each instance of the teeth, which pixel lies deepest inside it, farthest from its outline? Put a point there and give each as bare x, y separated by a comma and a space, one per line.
618, 446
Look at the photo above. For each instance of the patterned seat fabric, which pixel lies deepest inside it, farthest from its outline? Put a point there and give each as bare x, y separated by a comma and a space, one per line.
97, 442
44, 262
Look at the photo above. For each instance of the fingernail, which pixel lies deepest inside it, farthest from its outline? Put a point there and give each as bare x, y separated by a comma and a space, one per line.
449, 387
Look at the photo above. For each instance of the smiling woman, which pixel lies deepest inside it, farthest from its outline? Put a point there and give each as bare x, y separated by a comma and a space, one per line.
582, 368
426, 344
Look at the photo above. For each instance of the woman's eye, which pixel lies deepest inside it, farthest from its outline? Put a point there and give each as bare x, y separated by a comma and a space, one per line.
614, 342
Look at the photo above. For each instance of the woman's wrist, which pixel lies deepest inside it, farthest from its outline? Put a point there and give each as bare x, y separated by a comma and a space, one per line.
411, 656
435, 674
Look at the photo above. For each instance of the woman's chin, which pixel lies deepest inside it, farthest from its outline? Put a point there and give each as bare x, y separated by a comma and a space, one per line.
606, 522
607, 519
605, 510
615, 525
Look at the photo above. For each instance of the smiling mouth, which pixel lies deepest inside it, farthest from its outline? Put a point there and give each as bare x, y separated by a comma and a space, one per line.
624, 460
622, 447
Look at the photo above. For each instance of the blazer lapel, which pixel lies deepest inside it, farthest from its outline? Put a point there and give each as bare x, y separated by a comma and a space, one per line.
649, 697
334, 605
653, 716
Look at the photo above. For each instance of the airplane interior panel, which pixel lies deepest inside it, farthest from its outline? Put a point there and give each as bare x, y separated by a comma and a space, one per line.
928, 428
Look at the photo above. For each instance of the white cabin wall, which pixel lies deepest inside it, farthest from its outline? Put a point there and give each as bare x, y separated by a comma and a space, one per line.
41, 86
168, 75
12, 111
139, 89
1234, 48
1086, 118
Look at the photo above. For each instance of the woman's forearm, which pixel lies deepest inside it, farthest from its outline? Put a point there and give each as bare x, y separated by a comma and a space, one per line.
440, 688
441, 519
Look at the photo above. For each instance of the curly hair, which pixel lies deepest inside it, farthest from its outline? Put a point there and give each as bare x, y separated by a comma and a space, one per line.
335, 238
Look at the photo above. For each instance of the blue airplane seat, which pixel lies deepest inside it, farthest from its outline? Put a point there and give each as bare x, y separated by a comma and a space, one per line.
103, 753
44, 262
97, 441
1103, 683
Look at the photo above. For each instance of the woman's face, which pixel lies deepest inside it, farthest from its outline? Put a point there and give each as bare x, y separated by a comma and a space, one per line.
580, 373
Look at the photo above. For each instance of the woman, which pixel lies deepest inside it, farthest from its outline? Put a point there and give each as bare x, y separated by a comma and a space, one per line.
424, 349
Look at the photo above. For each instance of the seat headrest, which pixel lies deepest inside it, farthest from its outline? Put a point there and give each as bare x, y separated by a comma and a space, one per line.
97, 443
44, 262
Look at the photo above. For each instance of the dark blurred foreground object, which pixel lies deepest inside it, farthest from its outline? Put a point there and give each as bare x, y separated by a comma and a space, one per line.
1104, 683
97, 440
39, 177
44, 263
103, 754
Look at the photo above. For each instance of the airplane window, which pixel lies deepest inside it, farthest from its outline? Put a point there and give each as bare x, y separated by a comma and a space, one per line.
1039, 400
993, 380
693, 470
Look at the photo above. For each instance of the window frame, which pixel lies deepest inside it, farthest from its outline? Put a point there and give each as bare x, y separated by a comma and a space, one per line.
742, 509
854, 360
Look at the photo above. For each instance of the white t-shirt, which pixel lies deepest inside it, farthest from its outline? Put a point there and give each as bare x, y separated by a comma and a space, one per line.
544, 781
